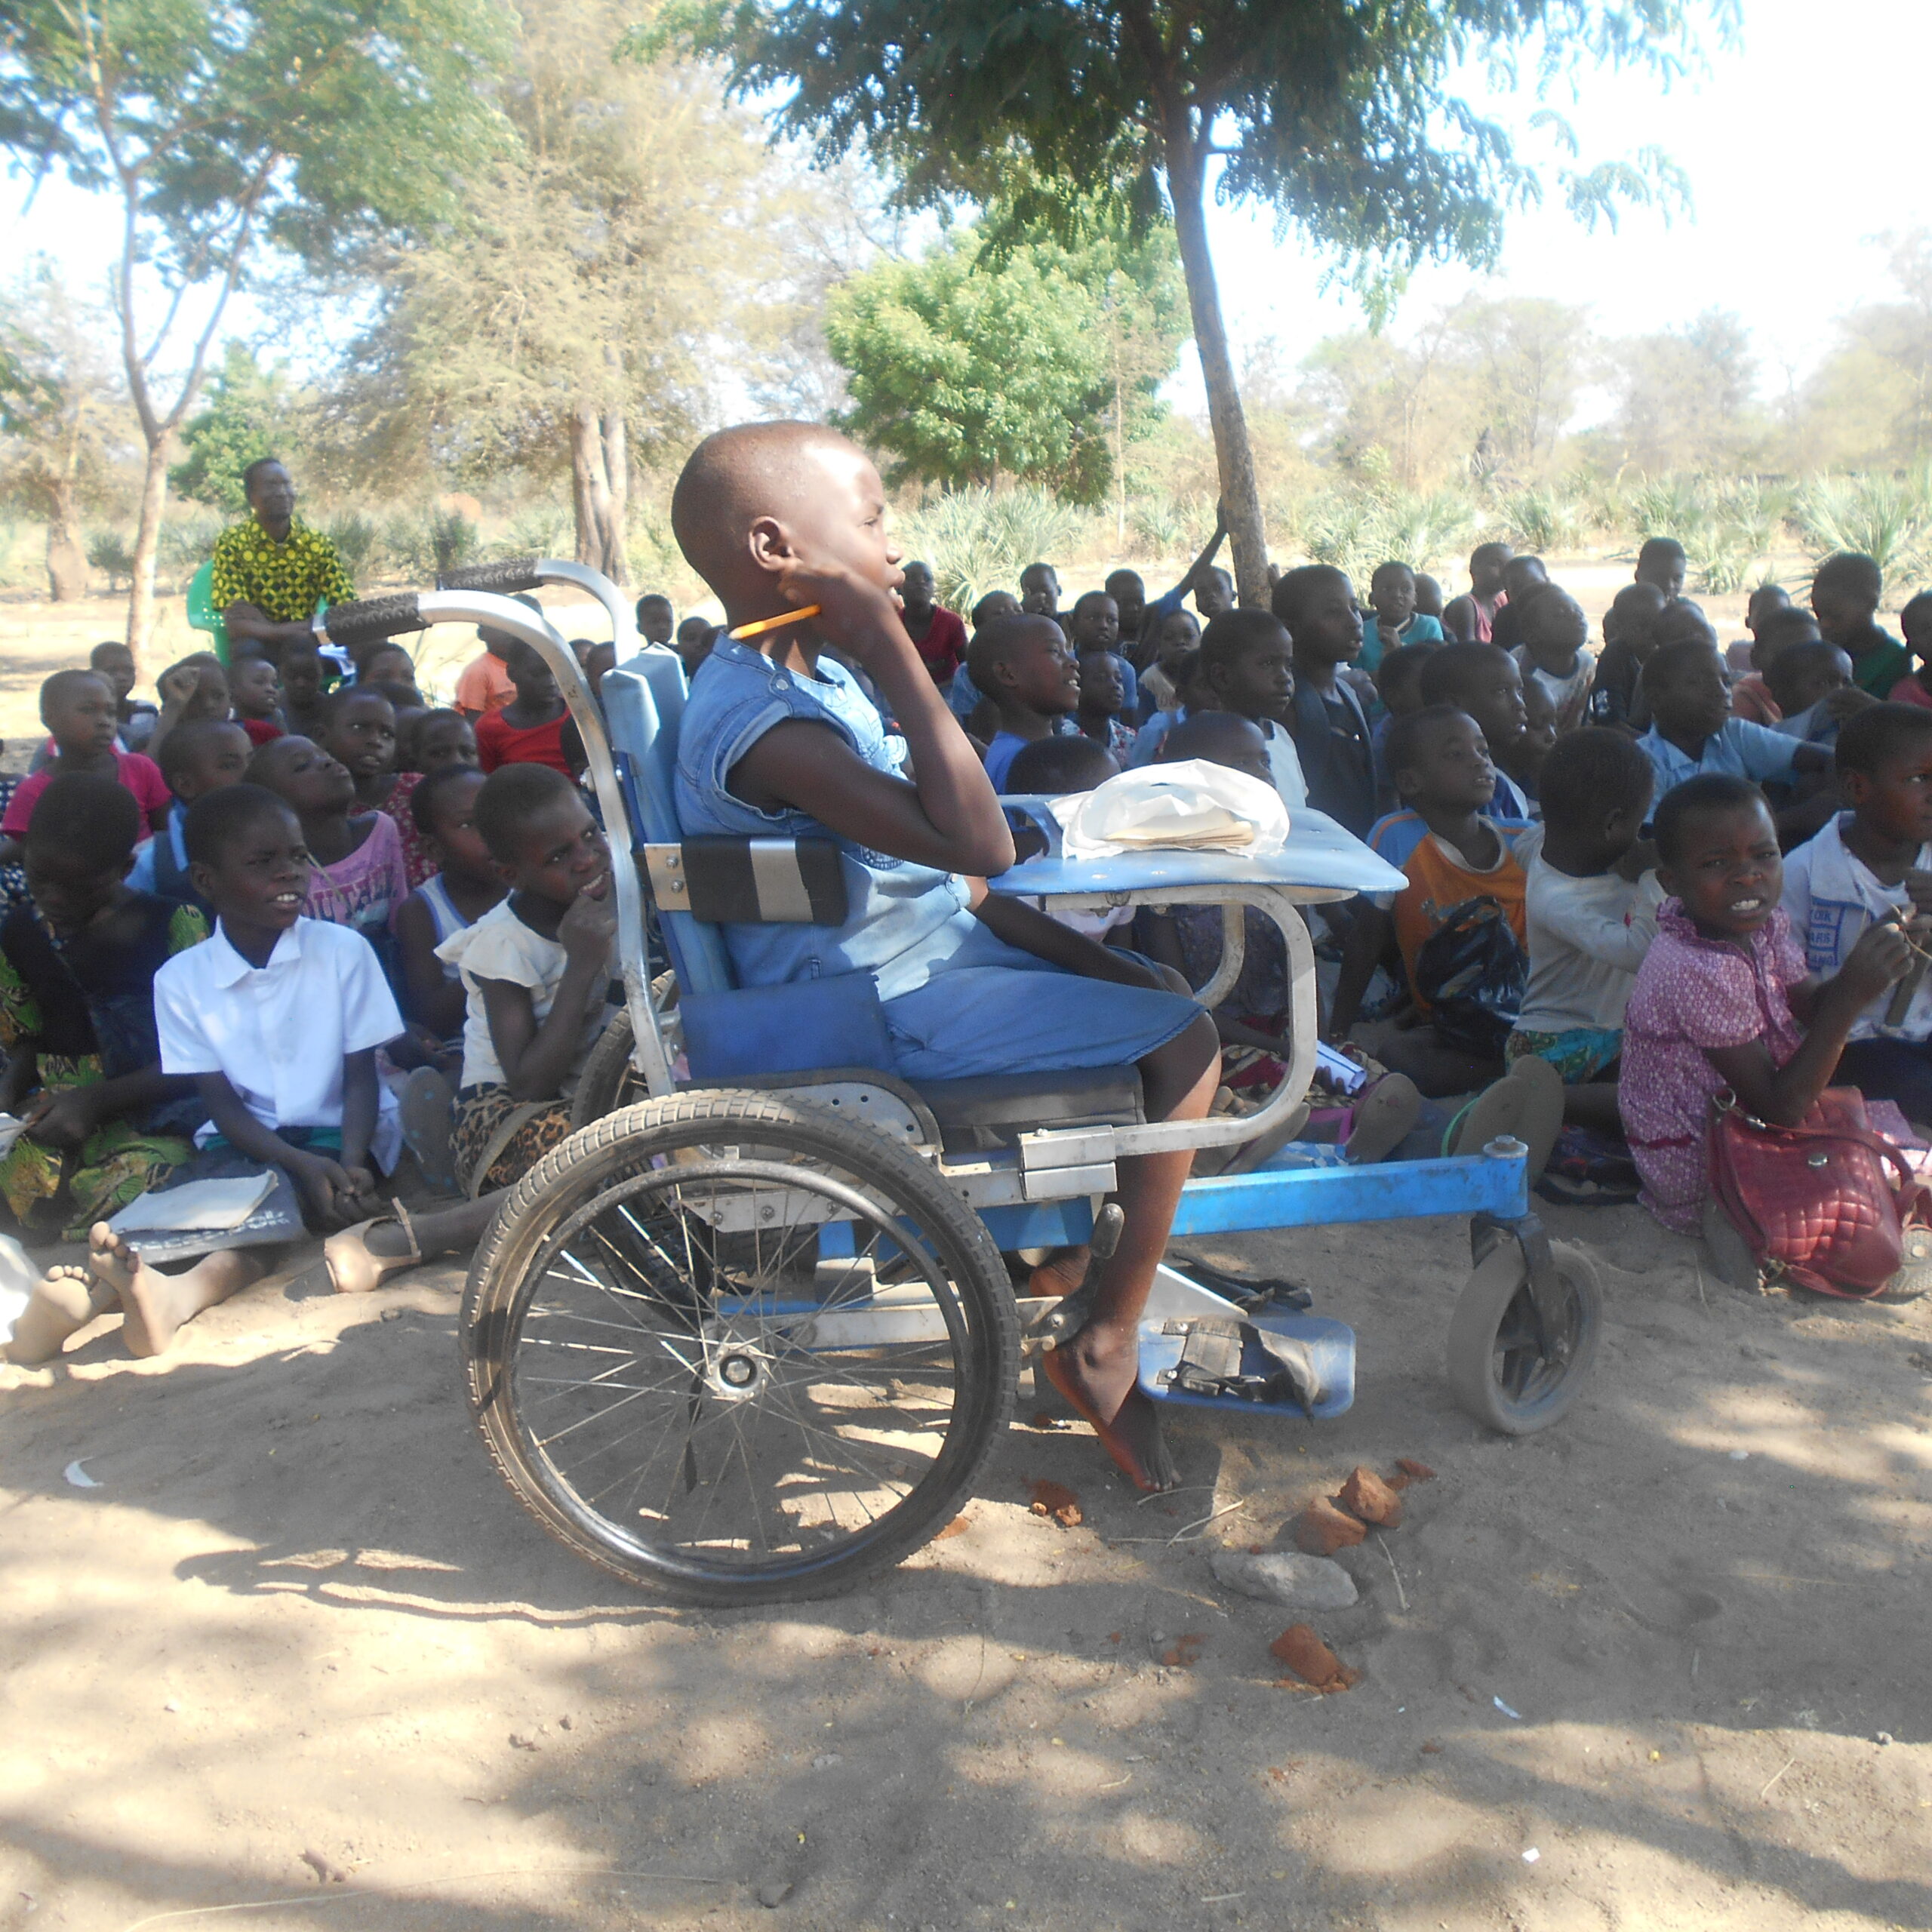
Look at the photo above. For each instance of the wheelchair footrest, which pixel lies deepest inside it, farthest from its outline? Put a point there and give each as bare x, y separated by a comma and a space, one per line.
1326, 1346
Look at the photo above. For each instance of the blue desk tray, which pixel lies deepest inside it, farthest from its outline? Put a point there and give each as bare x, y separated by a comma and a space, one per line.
1331, 1342
1319, 856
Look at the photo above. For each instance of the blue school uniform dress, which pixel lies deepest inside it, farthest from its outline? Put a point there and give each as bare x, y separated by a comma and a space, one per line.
1741, 749
959, 1002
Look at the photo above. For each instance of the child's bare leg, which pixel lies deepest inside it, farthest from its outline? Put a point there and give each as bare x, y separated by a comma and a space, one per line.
1438, 1070
65, 1300
1593, 1104
157, 1305
1095, 1370
448, 1230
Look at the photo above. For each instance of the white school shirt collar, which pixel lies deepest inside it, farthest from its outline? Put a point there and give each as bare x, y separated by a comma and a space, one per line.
227, 967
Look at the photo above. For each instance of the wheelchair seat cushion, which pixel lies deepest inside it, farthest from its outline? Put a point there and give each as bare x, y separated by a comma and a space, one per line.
977, 1116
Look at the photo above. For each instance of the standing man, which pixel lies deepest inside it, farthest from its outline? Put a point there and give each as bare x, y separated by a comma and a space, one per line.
271, 572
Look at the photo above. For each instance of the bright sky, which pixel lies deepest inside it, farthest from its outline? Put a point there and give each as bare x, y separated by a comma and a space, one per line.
1801, 146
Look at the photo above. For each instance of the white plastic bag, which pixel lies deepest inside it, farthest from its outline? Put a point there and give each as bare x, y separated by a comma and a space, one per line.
17, 1277
1193, 806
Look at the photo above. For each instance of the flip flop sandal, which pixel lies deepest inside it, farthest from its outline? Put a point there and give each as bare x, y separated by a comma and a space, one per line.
353, 1270
1539, 1123
428, 1112
1384, 1117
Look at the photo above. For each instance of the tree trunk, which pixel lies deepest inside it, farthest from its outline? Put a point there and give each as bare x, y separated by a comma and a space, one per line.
66, 556
616, 565
142, 608
1240, 499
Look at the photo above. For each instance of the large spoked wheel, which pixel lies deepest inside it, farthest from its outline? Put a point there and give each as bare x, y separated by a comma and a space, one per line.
608, 1080
1496, 1368
684, 1382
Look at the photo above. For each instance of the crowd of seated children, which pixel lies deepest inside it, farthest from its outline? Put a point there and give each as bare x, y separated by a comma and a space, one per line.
1481, 681
1590, 914
1030, 681
1471, 618
1629, 637
196, 758
1916, 622
436, 740
1724, 998
195, 688
1811, 685
1318, 636
78, 710
1776, 631
1394, 619
77, 967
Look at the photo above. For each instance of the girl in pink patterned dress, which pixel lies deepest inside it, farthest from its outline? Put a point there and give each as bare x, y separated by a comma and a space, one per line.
1723, 998
437, 739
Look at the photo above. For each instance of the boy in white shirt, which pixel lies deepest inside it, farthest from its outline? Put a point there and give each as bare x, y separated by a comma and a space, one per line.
1590, 911
1874, 863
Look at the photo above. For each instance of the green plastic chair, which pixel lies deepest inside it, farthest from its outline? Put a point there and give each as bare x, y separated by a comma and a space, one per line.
202, 616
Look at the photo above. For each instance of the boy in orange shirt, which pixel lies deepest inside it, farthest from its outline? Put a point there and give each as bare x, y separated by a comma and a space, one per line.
1451, 853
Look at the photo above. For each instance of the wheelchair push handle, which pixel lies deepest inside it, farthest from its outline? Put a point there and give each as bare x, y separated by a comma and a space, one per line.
506, 577
371, 619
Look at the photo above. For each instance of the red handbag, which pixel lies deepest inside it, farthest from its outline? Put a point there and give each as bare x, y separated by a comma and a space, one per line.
1815, 1204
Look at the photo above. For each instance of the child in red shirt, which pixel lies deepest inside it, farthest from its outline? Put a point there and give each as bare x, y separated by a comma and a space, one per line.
534, 728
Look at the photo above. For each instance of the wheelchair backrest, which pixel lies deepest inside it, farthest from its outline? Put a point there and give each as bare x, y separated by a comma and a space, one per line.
644, 700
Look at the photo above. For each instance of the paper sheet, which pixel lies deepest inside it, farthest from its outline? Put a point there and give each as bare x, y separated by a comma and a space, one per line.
209, 1204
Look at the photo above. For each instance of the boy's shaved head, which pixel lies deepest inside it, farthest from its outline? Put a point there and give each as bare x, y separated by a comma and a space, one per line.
1000, 641
733, 478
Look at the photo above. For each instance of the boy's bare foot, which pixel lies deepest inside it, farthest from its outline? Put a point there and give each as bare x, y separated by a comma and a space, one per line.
1096, 1372
148, 1298
64, 1300
1061, 1272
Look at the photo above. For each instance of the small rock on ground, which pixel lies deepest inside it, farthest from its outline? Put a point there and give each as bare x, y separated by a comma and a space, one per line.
1299, 1583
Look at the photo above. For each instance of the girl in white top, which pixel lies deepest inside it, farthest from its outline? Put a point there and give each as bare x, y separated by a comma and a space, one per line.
450, 901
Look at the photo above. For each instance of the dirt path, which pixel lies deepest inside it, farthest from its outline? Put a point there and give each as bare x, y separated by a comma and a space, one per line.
300, 1616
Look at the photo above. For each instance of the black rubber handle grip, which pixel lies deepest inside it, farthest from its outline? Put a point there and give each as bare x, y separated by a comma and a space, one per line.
510, 575
372, 618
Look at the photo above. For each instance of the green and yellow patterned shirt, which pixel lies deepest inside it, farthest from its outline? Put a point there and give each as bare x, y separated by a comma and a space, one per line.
285, 580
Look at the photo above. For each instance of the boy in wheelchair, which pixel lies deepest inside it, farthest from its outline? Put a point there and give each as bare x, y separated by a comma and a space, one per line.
777, 740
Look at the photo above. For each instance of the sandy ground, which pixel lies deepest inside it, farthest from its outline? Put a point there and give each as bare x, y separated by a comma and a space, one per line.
300, 1622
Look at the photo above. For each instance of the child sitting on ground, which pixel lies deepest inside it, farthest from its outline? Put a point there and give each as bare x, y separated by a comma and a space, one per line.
1057, 768
254, 693
1395, 621
1523, 577
302, 697
360, 735
277, 1019
1328, 727
657, 619
195, 688
1030, 678
385, 664
483, 684
1777, 632
1810, 683
1451, 853
116, 662
1695, 733
466, 884
1094, 624
77, 1017
1471, 619
1245, 666
436, 740
1629, 636
356, 877
1763, 603
1102, 698
77, 709
1175, 642
964, 697
534, 728
1481, 681
195, 759
1590, 914
777, 741
1398, 683
1723, 998
1915, 621
1845, 592
1555, 655
1871, 862
1661, 564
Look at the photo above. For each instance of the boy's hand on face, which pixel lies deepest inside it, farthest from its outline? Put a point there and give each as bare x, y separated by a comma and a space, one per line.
1847, 702
589, 923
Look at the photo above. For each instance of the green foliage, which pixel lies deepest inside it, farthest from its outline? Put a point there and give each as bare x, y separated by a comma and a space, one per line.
1889, 519
357, 542
1009, 357
430, 542
980, 539
186, 544
108, 551
1540, 518
1167, 526
1356, 528
250, 413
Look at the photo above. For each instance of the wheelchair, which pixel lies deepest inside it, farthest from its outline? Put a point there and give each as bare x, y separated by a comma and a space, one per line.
749, 1333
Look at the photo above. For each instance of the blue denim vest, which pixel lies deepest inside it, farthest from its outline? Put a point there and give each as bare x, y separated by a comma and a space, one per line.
905, 921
